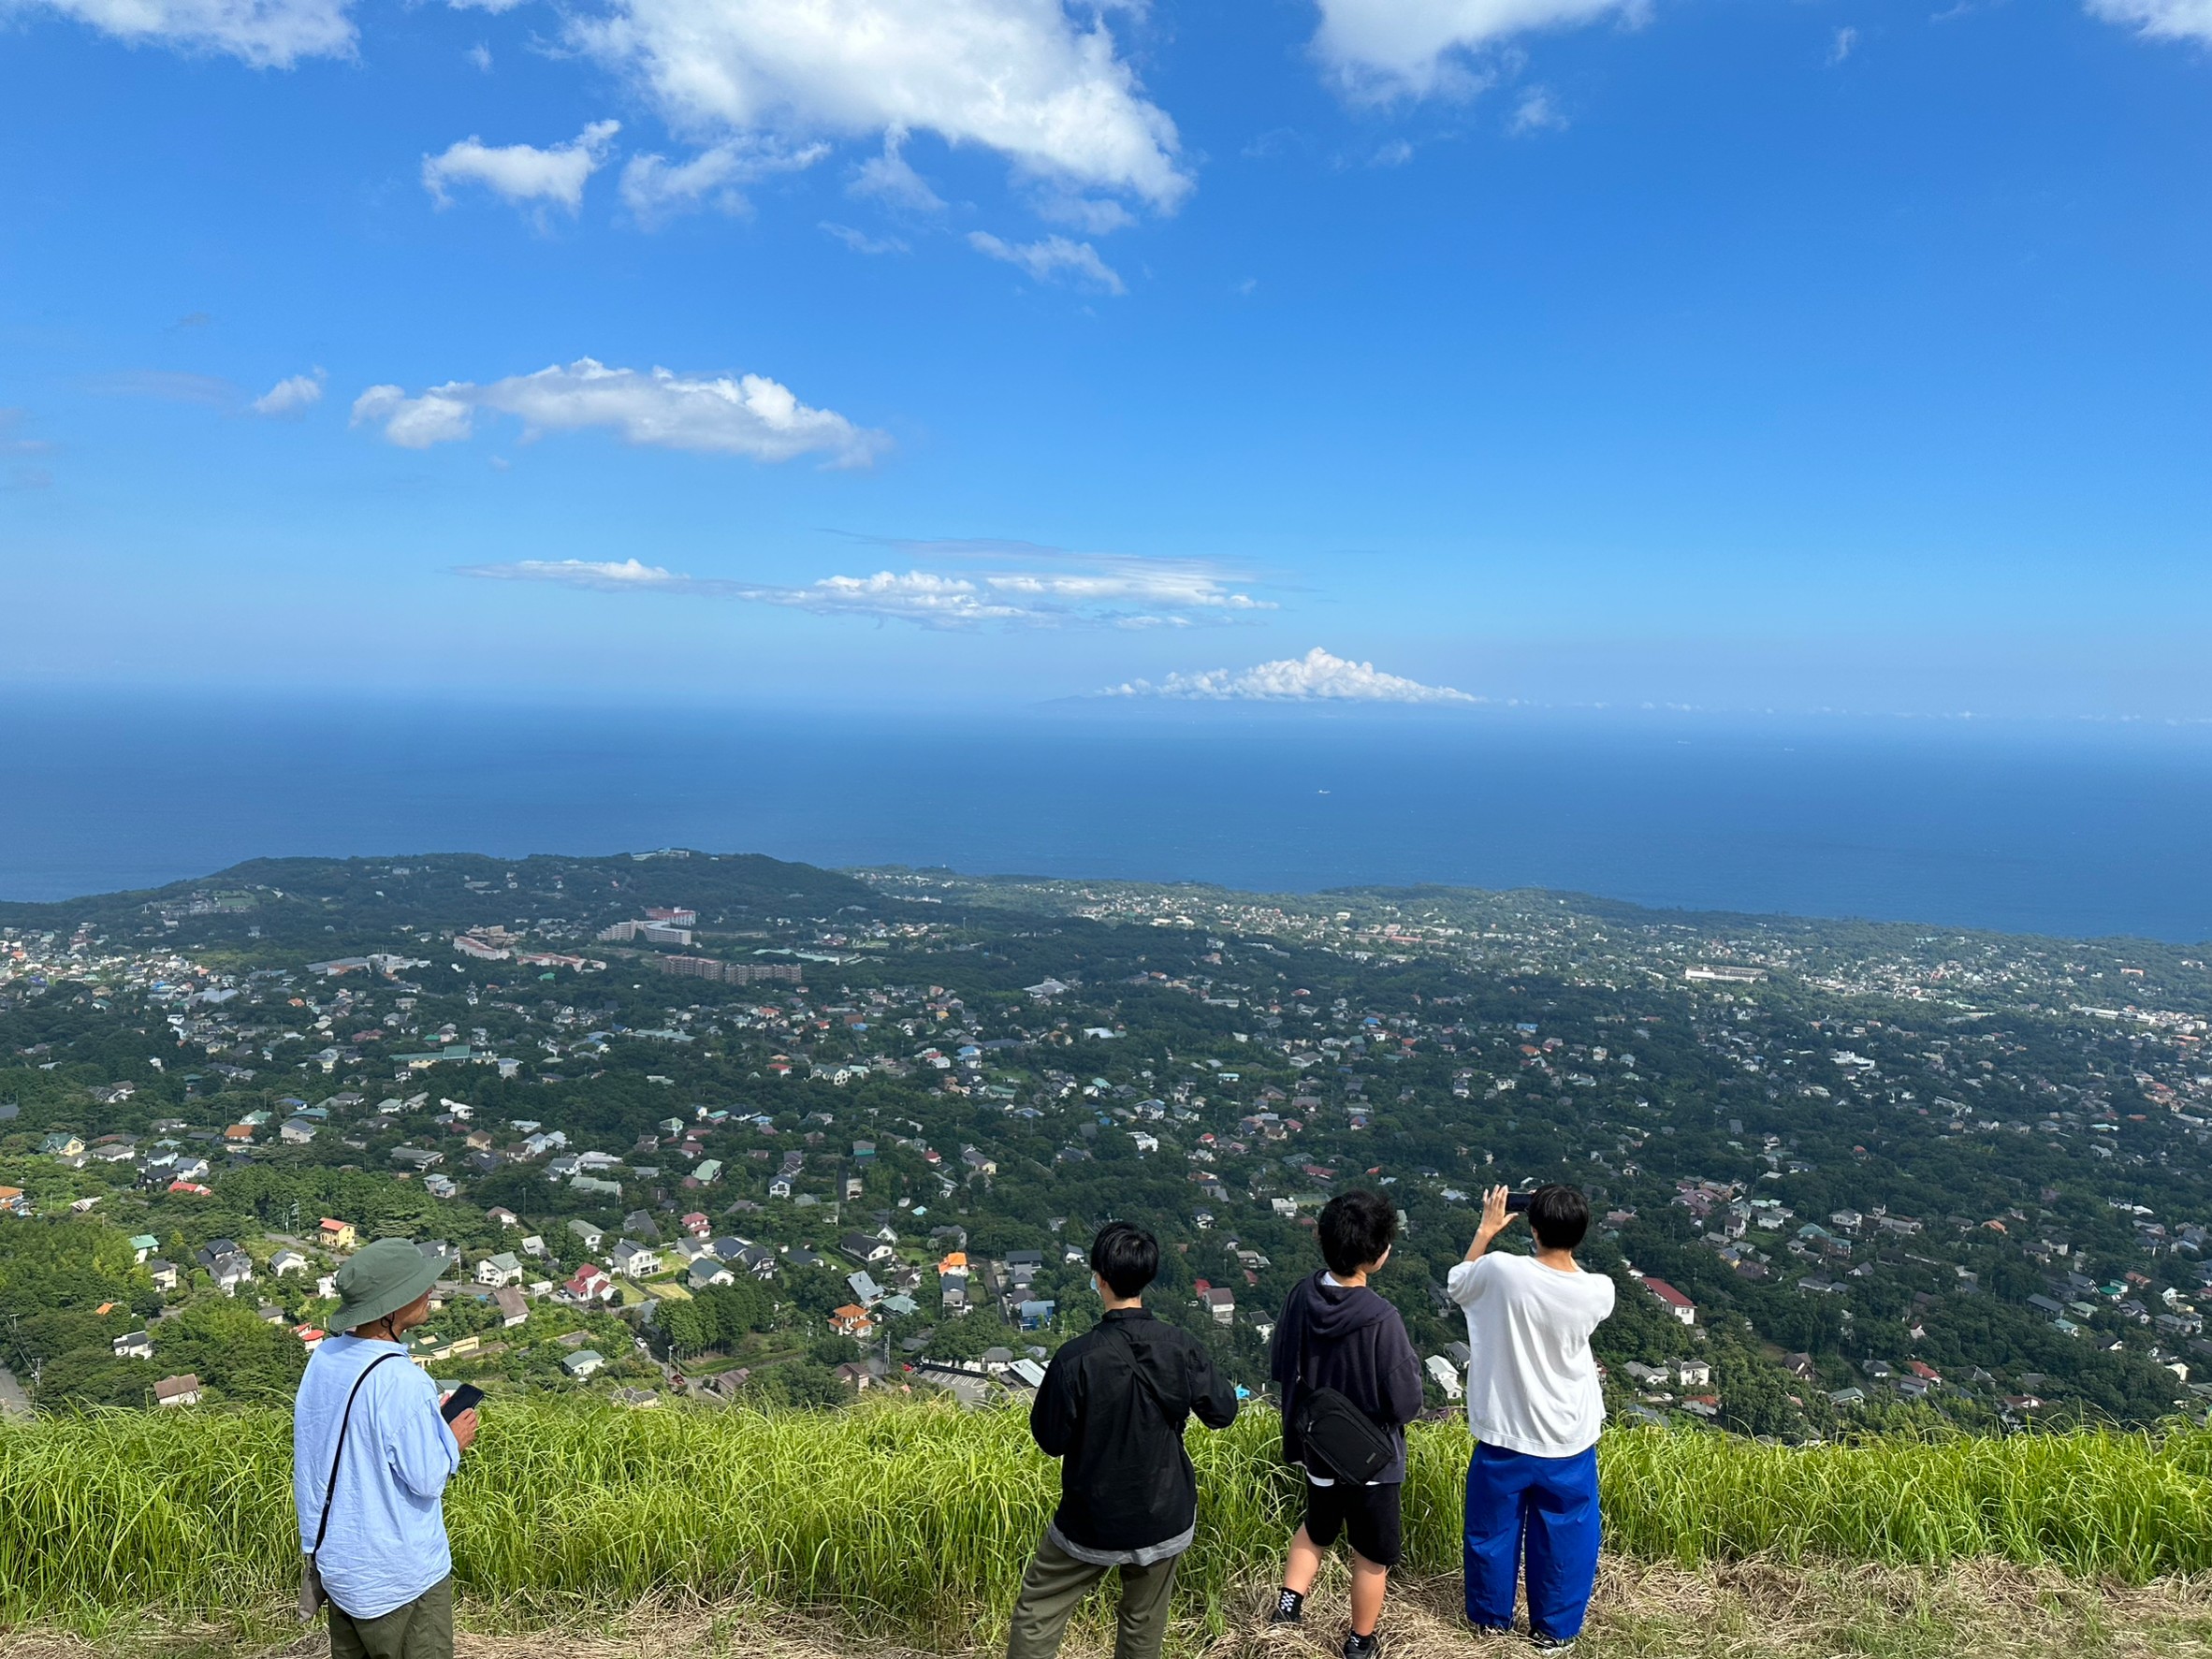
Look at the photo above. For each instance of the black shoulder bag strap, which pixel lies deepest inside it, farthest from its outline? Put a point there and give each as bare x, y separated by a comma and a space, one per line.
310, 1590
1137, 1367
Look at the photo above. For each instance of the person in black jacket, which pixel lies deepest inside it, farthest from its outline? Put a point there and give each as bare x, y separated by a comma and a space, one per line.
1112, 1409
1337, 1334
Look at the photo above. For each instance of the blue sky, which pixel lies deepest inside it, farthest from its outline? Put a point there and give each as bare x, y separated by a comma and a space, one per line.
1815, 356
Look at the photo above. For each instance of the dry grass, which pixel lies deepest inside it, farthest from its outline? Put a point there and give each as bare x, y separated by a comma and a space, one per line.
1740, 1610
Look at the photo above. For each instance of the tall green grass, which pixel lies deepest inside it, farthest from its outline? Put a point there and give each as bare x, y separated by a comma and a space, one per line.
919, 1517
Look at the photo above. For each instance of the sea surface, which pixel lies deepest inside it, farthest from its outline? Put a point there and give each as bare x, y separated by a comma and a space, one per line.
2062, 829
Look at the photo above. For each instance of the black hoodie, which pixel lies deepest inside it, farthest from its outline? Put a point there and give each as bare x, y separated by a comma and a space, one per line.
1350, 1339
1113, 1408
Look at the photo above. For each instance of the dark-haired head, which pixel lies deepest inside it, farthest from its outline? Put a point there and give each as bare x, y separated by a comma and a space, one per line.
1559, 1216
1125, 1257
1356, 1229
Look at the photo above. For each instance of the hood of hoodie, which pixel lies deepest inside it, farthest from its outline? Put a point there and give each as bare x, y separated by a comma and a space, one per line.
1331, 1313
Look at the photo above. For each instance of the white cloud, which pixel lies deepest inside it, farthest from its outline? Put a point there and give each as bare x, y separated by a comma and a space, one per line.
890, 178
2160, 20
745, 415
918, 596
627, 577
523, 173
860, 242
1088, 591
1315, 677
1018, 77
1164, 593
1383, 49
1050, 258
415, 423
1094, 215
294, 394
1535, 114
656, 189
1841, 44
268, 34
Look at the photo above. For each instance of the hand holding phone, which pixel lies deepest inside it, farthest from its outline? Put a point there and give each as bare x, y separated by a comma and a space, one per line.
465, 1397
1517, 1203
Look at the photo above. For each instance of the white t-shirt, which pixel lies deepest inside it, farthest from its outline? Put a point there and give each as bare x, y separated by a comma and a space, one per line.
1532, 1386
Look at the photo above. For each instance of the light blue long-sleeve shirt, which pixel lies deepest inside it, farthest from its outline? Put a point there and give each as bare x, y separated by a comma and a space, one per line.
387, 1543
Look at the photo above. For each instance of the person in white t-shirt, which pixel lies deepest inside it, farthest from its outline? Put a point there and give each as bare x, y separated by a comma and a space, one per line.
1536, 1408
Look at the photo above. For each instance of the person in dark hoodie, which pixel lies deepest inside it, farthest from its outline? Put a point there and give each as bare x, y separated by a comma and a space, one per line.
1337, 1334
1112, 1409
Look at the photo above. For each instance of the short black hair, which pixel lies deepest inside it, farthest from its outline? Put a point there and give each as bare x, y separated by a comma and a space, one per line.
1126, 1258
1356, 1229
1557, 1215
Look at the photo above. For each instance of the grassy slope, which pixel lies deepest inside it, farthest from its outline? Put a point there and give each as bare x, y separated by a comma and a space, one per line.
915, 1520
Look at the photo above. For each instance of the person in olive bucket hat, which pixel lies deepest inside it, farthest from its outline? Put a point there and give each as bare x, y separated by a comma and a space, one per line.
371, 1457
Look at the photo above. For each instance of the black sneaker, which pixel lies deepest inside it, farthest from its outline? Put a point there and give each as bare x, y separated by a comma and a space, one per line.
1289, 1608
1362, 1647
1552, 1644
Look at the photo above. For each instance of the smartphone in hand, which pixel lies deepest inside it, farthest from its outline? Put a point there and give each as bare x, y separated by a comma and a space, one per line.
1517, 1203
465, 1397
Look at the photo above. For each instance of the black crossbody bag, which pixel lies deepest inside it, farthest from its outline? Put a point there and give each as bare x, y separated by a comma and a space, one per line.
312, 1597
1344, 1442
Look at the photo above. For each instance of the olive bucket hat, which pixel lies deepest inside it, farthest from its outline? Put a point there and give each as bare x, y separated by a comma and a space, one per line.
379, 1279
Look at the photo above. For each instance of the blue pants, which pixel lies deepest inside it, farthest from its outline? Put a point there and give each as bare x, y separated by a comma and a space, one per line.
1553, 1501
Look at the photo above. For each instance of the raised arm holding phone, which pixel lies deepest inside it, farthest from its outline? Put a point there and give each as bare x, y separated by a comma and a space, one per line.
1536, 1408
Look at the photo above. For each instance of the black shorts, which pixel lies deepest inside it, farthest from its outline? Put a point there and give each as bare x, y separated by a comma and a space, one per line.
1367, 1516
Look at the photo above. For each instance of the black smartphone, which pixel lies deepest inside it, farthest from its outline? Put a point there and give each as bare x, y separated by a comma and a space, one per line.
1517, 1202
465, 1397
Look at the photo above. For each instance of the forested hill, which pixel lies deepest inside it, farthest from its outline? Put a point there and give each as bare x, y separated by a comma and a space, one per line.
337, 906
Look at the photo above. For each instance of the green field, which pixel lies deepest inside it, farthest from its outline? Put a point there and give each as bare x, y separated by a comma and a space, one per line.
918, 1519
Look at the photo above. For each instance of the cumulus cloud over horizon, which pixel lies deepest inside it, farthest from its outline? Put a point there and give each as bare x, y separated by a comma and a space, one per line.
1094, 592
747, 414
1316, 677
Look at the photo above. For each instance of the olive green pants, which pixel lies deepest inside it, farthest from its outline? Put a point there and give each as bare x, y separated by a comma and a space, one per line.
1054, 1586
423, 1629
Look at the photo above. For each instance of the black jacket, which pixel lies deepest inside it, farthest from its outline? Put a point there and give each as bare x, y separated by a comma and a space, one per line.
1126, 1483
1352, 1341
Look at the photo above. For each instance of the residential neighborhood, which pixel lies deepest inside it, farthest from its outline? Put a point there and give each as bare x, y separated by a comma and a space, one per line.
876, 1161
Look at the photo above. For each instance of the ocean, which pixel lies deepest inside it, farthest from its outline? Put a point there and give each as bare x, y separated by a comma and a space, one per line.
2072, 830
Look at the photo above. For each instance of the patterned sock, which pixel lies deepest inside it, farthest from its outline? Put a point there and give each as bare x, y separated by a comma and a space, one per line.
1289, 1606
